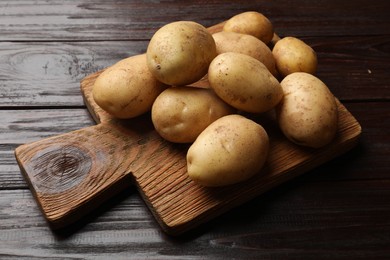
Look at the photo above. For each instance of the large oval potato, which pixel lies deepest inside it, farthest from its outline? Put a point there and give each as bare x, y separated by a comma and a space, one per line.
244, 82
293, 55
179, 53
252, 23
230, 150
307, 115
245, 44
127, 89
180, 114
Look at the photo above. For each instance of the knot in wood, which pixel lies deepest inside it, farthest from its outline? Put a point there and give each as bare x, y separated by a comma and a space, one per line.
57, 170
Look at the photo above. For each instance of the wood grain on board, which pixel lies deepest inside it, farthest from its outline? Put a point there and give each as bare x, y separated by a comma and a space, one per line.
72, 173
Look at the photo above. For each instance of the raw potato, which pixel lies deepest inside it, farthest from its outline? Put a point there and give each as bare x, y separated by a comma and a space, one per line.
308, 113
245, 44
244, 82
127, 89
293, 55
252, 23
230, 150
180, 114
179, 53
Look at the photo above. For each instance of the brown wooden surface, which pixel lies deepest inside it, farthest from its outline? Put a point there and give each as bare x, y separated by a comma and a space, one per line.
340, 210
72, 173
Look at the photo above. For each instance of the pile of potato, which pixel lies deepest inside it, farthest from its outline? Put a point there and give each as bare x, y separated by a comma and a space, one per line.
249, 69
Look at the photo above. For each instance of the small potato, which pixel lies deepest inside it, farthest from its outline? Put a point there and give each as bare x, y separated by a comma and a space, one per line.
230, 150
245, 44
293, 55
252, 23
127, 89
179, 53
180, 114
307, 115
244, 82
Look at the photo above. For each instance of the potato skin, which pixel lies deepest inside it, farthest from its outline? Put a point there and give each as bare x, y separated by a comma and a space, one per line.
179, 53
245, 44
252, 23
244, 82
127, 89
308, 114
180, 114
230, 150
293, 55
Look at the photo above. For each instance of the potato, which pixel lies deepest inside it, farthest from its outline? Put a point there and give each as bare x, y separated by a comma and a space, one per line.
127, 89
245, 44
180, 114
252, 23
244, 82
179, 53
293, 55
230, 150
308, 113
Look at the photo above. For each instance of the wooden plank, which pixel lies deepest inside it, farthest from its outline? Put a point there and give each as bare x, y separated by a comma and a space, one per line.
354, 68
347, 220
123, 20
48, 74
22, 126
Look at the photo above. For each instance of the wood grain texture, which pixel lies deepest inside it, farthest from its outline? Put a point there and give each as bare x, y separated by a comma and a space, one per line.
70, 173
25, 126
360, 62
296, 220
132, 20
47, 74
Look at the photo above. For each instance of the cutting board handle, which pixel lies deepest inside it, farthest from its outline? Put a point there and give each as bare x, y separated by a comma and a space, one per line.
73, 173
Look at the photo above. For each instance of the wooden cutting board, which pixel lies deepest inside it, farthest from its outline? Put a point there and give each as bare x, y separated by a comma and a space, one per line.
73, 173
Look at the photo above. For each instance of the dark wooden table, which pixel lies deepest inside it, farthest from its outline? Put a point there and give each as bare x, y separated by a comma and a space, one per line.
340, 210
